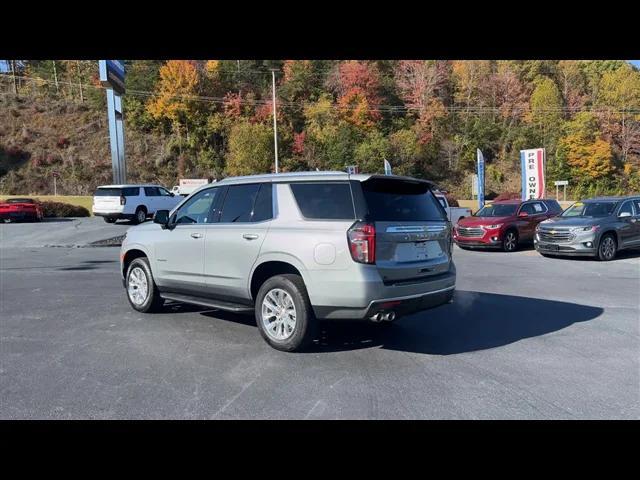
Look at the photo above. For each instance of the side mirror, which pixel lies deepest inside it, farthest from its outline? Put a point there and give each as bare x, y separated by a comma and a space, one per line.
523, 214
624, 214
161, 217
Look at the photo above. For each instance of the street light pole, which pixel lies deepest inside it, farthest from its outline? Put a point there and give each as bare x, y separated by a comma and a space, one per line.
275, 123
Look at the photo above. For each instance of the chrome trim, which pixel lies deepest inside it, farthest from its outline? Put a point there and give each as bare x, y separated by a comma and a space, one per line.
416, 228
409, 297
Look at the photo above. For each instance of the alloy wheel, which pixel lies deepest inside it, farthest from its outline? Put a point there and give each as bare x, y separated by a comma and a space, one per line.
608, 248
138, 286
510, 241
278, 314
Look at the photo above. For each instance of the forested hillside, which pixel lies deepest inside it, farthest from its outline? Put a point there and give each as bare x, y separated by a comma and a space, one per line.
210, 118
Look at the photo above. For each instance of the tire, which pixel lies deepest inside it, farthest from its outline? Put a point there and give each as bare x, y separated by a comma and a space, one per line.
284, 336
510, 241
109, 219
607, 248
140, 216
150, 301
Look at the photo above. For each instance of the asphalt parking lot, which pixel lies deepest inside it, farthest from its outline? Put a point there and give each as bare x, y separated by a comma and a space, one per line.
527, 337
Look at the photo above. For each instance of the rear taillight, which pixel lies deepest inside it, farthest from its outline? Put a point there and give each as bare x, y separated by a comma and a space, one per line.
123, 200
362, 242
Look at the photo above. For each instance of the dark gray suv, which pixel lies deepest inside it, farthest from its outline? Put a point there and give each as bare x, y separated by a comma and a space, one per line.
598, 227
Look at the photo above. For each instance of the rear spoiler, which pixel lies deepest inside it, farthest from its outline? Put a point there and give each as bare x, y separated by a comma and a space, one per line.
401, 178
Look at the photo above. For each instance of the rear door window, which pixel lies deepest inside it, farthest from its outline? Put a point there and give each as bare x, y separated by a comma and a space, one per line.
238, 204
151, 192
263, 208
324, 201
553, 206
401, 201
626, 207
131, 191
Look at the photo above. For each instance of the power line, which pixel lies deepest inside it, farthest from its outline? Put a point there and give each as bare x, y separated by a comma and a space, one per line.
376, 108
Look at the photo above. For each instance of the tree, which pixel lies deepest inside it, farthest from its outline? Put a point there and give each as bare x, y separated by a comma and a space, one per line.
250, 149
584, 150
619, 96
357, 85
176, 88
422, 85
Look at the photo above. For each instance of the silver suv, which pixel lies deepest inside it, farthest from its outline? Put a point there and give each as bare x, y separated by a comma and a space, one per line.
598, 227
296, 248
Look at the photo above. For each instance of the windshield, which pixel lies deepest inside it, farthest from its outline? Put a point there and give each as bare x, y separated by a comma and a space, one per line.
20, 200
590, 209
497, 210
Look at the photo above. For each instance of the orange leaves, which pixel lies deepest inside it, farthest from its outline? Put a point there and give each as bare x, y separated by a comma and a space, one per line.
594, 160
178, 81
354, 108
357, 84
232, 105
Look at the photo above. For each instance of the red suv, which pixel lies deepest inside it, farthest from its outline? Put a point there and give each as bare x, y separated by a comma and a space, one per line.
504, 224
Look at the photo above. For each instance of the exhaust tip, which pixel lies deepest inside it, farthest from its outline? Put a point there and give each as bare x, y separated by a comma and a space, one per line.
376, 318
390, 317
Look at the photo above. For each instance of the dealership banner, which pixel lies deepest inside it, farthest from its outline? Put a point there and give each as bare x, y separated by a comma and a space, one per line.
480, 179
532, 163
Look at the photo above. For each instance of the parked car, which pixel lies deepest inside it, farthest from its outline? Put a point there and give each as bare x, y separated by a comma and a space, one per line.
598, 227
20, 209
453, 213
296, 248
132, 202
504, 224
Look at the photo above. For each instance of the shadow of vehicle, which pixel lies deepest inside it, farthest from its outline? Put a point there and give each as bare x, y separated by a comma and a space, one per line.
86, 265
474, 321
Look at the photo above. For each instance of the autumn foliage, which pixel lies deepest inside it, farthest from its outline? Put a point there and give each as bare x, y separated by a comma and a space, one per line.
212, 118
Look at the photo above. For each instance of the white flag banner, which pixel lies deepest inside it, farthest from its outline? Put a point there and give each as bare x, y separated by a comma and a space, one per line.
387, 168
532, 163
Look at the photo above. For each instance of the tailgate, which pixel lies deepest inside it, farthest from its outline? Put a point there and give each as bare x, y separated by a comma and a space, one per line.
410, 250
107, 199
413, 235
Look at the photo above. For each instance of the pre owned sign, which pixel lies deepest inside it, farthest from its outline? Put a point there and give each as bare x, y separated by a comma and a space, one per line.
532, 163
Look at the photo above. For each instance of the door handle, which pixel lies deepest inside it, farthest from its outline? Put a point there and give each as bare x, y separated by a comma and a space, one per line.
250, 236
196, 235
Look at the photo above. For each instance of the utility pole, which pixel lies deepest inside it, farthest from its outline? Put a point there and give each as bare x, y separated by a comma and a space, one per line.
275, 123
55, 77
12, 64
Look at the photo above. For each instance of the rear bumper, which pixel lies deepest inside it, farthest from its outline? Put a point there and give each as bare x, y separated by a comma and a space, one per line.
116, 215
368, 298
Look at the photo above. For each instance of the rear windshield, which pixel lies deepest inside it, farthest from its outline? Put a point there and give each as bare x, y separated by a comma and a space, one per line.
324, 201
116, 192
401, 201
20, 200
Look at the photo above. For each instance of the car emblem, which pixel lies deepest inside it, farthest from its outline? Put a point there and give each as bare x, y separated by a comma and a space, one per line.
553, 232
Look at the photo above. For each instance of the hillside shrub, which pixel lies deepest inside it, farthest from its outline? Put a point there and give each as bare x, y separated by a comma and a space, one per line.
59, 209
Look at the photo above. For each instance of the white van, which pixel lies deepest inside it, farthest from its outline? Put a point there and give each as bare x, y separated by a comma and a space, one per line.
132, 202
